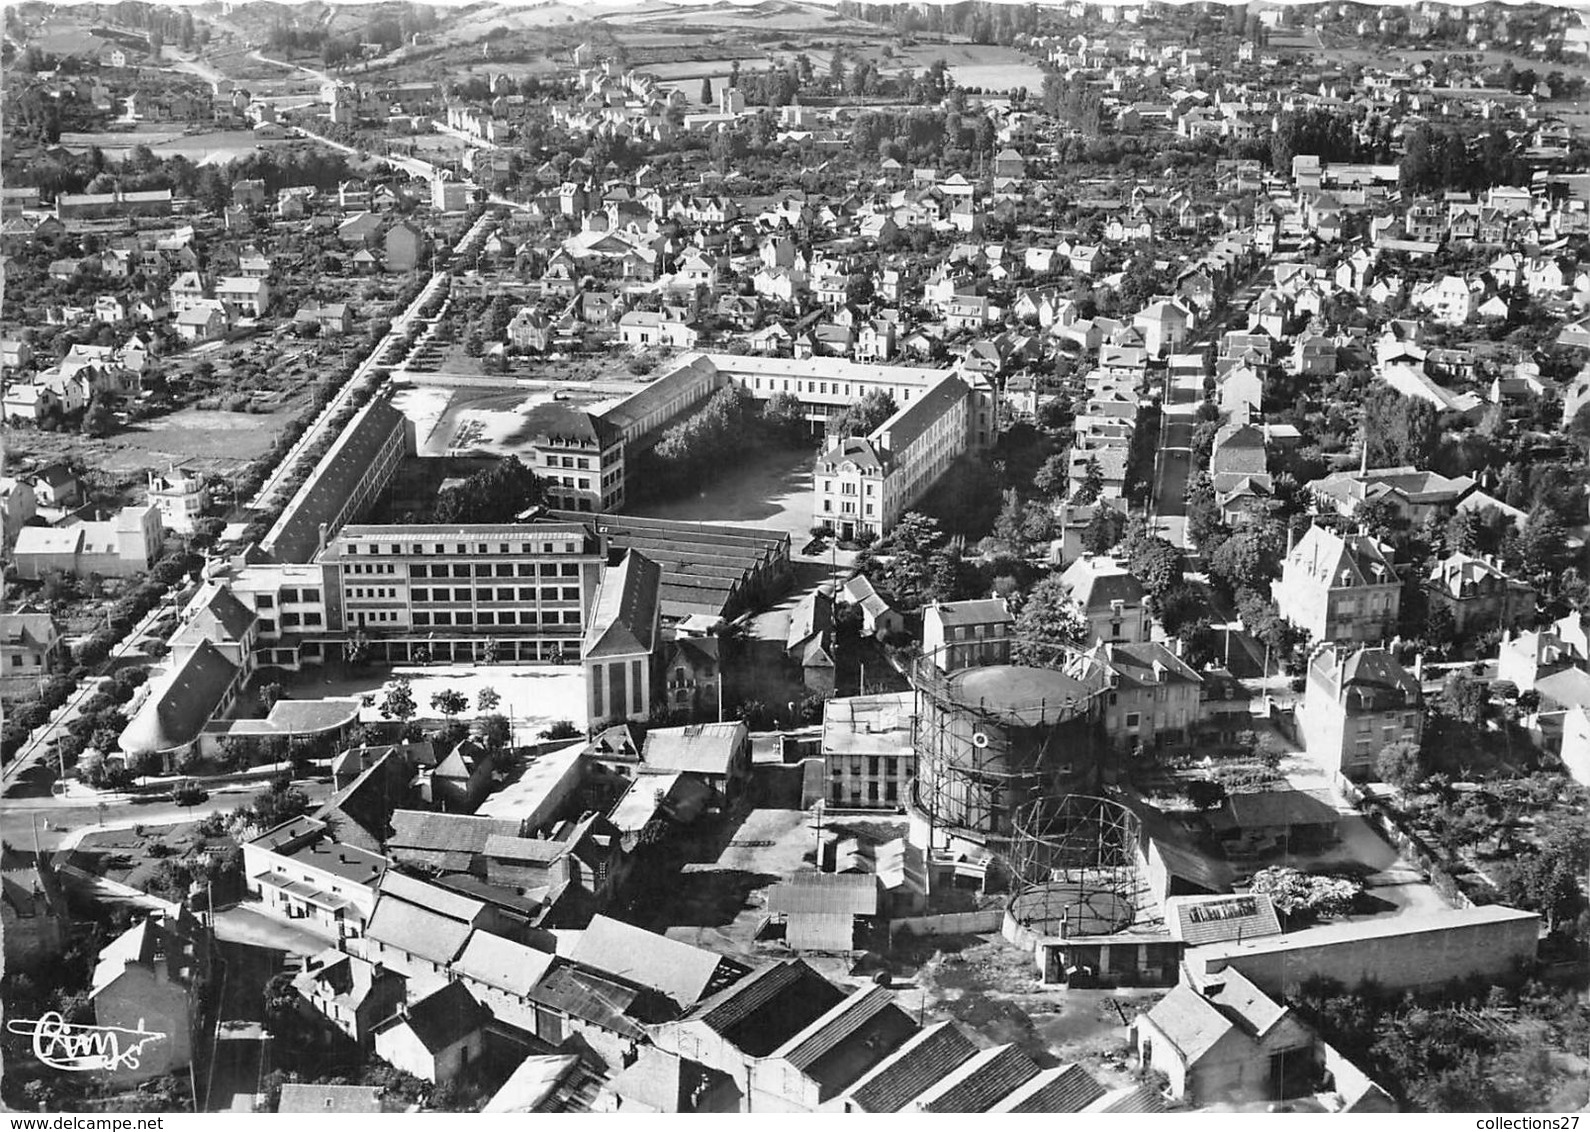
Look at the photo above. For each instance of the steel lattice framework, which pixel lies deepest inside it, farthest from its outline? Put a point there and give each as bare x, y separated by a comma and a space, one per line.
990, 740
1075, 866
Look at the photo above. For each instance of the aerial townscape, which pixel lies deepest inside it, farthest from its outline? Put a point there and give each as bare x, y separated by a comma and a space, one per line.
774, 556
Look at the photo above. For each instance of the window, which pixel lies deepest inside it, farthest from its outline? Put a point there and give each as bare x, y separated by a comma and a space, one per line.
289, 596
264, 601
311, 595
290, 620
571, 593
422, 595
1133, 719
461, 594
419, 570
312, 620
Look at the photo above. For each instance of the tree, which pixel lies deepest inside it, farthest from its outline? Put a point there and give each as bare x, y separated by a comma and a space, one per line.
1103, 530
450, 702
1204, 794
1092, 485
784, 413
861, 417
398, 703
282, 802
495, 731
706, 91
487, 699
562, 729
270, 695
1465, 698
1053, 476
98, 420
1302, 895
1401, 764
1048, 618
1156, 563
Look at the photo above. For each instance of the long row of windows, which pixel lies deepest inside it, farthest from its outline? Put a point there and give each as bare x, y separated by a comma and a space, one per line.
501, 593
501, 617
495, 570
353, 548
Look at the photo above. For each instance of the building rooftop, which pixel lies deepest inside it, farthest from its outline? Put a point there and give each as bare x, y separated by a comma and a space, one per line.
697, 748
624, 615
683, 973
921, 1062
1412, 923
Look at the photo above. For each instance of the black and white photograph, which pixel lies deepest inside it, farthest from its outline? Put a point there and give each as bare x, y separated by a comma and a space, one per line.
628, 557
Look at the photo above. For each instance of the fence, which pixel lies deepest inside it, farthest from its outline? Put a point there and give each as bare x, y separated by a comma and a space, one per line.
948, 923
1394, 828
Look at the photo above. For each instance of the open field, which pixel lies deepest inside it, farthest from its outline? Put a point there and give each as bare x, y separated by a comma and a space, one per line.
205, 441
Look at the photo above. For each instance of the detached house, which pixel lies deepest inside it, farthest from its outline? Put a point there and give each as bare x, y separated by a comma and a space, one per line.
1356, 702
1339, 587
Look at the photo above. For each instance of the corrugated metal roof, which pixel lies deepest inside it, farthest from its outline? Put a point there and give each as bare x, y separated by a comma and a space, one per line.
814, 893
821, 931
915, 1067
590, 998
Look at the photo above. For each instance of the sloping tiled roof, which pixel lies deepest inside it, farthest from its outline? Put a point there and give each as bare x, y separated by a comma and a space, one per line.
416, 930
1197, 920
502, 963
436, 832
1065, 1088
442, 1018
980, 1083
682, 972
624, 613
1190, 1023
174, 715
916, 1066
336, 1099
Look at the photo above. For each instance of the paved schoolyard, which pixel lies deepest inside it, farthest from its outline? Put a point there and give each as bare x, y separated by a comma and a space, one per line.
534, 696
773, 492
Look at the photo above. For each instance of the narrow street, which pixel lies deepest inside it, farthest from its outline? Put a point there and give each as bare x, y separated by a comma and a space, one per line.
241, 1057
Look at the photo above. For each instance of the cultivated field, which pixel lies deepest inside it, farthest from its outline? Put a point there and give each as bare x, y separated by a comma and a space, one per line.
216, 147
971, 65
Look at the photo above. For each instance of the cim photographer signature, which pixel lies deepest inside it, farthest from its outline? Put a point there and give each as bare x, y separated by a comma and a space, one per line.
83, 1049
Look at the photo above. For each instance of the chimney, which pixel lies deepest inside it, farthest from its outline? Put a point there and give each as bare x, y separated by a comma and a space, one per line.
1341, 669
